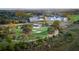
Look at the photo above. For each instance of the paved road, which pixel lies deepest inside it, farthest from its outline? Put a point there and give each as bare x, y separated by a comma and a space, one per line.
6, 25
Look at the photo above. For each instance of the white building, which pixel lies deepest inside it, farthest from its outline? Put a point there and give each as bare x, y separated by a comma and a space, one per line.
35, 18
50, 18
59, 18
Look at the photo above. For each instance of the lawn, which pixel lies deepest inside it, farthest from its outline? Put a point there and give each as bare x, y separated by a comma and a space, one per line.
74, 17
37, 33
40, 32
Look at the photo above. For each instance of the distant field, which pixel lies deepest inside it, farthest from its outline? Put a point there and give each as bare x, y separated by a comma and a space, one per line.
74, 17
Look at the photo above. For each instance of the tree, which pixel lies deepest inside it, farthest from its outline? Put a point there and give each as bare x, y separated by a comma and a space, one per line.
23, 14
45, 21
56, 24
27, 28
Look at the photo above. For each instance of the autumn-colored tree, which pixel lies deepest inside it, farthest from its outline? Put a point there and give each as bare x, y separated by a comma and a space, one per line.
23, 14
45, 20
20, 13
68, 15
56, 24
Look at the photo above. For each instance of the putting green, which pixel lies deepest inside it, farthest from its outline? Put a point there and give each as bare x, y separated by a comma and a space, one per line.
39, 30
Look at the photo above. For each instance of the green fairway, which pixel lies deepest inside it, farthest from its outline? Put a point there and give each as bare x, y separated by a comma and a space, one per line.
37, 33
41, 34
39, 30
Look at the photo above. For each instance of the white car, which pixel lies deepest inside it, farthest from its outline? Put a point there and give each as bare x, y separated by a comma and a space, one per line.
36, 25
